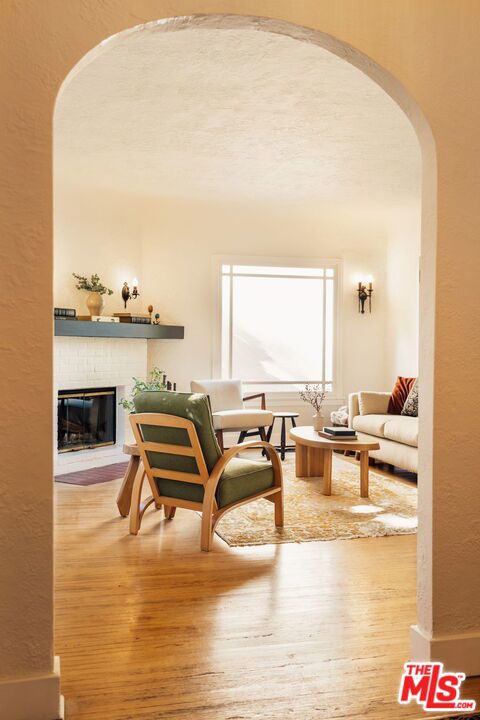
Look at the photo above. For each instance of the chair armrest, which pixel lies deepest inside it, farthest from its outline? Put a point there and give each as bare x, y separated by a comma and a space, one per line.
222, 462
257, 395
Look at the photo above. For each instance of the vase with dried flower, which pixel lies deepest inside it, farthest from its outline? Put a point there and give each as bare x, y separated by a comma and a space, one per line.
96, 291
315, 396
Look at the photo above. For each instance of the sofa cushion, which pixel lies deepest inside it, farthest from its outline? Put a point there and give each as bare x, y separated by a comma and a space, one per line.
402, 429
241, 419
373, 403
371, 424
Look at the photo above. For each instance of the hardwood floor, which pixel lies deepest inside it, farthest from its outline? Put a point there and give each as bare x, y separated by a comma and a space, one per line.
148, 627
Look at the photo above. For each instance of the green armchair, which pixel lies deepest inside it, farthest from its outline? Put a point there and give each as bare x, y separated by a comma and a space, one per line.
182, 461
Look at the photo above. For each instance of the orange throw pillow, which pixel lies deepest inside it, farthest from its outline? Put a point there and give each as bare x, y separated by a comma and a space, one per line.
399, 395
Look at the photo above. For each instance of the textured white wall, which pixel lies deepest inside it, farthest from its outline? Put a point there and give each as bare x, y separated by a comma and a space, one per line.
402, 292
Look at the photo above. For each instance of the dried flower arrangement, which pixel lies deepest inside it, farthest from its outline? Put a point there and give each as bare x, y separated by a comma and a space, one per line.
314, 395
92, 285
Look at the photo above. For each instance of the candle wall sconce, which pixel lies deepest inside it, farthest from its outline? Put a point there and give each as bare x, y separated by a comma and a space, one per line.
126, 294
364, 290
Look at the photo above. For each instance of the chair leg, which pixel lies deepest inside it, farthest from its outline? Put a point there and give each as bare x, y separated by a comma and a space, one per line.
169, 511
124, 496
206, 540
135, 510
278, 504
219, 436
283, 441
242, 436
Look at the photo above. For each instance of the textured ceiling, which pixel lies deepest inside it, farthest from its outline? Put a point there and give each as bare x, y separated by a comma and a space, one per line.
234, 113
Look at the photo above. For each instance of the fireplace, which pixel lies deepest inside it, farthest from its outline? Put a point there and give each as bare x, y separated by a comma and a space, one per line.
86, 418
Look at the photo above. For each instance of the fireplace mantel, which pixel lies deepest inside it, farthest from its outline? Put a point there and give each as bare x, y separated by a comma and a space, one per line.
86, 328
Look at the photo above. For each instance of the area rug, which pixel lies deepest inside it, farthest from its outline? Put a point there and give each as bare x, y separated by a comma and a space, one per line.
391, 509
93, 476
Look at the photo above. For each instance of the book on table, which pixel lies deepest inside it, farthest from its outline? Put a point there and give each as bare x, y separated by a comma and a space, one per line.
340, 431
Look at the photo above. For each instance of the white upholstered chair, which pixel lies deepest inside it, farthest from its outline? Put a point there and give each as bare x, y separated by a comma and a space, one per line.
228, 410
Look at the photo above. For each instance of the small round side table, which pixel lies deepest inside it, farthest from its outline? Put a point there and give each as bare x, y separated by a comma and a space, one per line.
283, 416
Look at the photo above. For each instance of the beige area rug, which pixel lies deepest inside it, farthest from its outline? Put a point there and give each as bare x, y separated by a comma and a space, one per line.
391, 509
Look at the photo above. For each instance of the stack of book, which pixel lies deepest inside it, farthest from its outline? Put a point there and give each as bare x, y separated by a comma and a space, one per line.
338, 433
65, 313
135, 319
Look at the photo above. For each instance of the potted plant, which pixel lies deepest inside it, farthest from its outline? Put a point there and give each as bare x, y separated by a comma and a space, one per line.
96, 291
315, 396
156, 381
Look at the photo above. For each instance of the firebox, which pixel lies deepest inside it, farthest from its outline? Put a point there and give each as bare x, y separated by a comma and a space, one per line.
86, 418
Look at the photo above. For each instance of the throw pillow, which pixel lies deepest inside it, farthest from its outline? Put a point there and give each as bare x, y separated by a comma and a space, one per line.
399, 395
372, 403
411, 403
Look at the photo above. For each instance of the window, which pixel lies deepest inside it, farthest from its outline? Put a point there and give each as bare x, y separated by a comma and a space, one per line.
278, 324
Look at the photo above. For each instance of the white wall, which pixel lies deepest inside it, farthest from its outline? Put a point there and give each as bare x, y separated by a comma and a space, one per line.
96, 230
402, 276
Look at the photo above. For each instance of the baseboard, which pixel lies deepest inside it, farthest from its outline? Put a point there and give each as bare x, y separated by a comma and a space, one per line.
33, 698
459, 653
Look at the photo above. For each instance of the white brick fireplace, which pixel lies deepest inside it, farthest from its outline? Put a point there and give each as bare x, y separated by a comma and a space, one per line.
92, 363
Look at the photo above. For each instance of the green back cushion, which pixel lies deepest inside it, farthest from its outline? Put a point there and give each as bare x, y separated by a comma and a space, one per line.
194, 407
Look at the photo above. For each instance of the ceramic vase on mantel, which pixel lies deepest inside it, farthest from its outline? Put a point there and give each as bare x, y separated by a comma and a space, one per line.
95, 303
318, 422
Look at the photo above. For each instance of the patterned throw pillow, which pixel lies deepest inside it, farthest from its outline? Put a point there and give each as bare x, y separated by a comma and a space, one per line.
411, 403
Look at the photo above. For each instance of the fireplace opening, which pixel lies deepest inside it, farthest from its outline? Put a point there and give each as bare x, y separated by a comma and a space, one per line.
86, 418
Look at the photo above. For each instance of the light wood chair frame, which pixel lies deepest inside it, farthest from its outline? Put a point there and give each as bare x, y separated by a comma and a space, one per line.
209, 509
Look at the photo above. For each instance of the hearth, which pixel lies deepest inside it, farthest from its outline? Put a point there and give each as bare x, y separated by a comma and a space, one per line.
86, 418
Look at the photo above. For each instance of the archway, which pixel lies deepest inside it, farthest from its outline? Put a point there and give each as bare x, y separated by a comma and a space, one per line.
375, 72
427, 285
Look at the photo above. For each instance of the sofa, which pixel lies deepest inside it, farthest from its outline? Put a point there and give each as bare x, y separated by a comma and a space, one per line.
396, 434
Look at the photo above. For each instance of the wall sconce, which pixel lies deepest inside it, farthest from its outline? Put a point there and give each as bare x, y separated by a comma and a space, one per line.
365, 293
126, 294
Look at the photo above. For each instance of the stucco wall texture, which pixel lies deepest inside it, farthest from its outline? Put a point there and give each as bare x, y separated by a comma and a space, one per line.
431, 48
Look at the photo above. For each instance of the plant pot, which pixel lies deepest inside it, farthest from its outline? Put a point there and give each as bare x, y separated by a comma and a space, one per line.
95, 303
318, 422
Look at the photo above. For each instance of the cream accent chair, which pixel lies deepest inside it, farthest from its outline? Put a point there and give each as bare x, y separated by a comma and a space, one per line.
228, 411
397, 435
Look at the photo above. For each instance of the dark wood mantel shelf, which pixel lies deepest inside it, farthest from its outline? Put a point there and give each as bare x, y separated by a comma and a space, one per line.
86, 328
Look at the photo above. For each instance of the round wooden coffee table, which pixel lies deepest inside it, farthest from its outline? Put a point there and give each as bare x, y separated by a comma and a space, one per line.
313, 456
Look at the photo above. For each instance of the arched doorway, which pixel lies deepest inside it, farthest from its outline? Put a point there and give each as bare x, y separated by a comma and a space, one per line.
303, 35
427, 291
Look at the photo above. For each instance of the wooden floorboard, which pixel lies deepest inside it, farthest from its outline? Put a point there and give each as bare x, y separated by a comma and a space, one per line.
148, 627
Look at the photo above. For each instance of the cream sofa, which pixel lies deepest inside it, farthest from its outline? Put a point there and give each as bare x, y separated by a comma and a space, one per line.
396, 434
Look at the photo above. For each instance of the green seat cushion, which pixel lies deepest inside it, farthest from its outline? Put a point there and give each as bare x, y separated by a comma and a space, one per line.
240, 479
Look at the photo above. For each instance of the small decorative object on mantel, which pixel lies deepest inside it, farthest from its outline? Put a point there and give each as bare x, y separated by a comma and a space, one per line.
150, 310
157, 319
157, 380
315, 396
364, 294
96, 291
126, 294
105, 318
